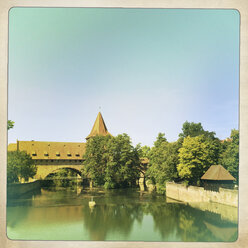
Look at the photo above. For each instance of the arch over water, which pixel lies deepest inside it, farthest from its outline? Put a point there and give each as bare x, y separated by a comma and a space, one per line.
68, 169
44, 170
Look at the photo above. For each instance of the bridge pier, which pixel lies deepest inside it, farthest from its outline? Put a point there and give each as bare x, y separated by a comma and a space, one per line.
91, 184
142, 184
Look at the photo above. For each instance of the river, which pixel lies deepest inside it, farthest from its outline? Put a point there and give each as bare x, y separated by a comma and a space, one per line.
123, 214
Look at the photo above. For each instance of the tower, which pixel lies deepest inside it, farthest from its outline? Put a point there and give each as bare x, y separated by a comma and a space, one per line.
99, 127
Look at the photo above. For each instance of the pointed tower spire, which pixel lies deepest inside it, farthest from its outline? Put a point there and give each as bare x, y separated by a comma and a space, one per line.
99, 127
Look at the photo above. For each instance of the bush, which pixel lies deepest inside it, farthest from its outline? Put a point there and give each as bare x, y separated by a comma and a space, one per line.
109, 185
161, 189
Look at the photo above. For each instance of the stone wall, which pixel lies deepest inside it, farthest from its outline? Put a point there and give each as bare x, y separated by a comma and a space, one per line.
198, 194
17, 189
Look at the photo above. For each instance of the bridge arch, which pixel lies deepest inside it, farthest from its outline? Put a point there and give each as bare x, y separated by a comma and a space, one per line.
67, 168
43, 171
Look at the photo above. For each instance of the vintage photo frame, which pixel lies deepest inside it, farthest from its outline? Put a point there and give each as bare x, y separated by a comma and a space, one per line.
240, 5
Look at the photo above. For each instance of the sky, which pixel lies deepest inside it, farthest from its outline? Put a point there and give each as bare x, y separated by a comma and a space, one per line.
146, 70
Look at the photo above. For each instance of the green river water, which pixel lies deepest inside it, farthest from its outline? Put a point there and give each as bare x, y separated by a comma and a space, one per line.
123, 215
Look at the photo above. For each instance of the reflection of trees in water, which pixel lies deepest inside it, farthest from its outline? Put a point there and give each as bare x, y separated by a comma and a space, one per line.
165, 217
113, 213
191, 226
188, 223
15, 215
56, 198
24, 199
111, 218
116, 211
18, 208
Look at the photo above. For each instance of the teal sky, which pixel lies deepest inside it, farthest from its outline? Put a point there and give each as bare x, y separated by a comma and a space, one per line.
149, 70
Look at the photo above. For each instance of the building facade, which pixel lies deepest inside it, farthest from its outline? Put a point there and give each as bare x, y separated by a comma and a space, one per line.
50, 156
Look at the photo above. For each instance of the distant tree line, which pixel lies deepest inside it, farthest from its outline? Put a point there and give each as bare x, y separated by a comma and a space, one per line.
191, 155
114, 162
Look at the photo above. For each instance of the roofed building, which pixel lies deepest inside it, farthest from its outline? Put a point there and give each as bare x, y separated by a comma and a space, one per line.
49, 155
46, 150
217, 177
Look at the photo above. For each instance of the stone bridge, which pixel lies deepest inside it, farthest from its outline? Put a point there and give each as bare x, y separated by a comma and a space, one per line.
44, 170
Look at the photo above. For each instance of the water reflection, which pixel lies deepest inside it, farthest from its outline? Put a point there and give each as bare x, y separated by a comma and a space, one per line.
117, 215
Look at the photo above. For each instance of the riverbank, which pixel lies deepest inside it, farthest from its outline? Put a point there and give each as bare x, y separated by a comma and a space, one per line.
15, 190
199, 194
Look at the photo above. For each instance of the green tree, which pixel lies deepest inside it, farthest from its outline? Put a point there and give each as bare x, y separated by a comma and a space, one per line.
20, 165
229, 157
123, 162
10, 124
195, 129
191, 129
163, 162
160, 139
145, 151
196, 155
96, 159
111, 161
